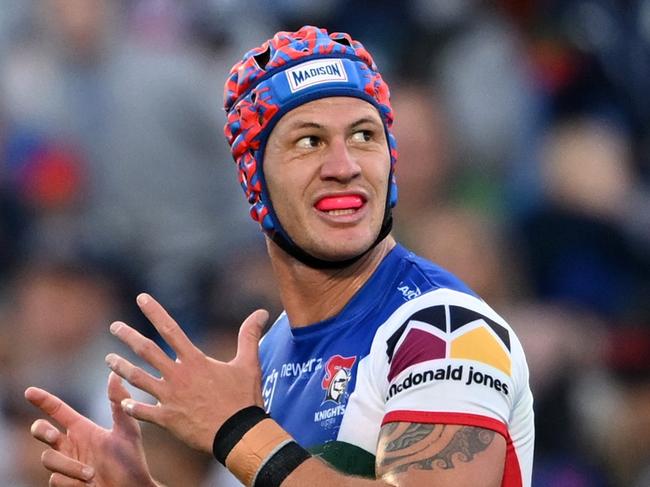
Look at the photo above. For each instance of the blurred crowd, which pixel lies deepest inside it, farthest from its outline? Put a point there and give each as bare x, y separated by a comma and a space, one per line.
524, 135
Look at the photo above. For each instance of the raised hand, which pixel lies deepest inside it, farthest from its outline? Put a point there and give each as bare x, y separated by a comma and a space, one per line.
195, 393
85, 453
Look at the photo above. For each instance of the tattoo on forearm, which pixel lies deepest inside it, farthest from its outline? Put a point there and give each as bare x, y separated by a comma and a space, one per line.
428, 446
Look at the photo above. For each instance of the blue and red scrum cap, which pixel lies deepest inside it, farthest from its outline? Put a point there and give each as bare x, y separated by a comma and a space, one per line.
286, 71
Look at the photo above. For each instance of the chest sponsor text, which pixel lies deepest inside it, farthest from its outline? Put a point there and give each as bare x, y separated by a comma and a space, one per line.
296, 369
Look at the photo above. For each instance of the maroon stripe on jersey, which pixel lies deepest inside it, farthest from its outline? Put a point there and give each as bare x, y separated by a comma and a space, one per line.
418, 346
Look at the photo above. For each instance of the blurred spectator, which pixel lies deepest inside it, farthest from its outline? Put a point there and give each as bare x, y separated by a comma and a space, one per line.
156, 202
575, 246
483, 79
243, 283
564, 347
55, 320
462, 241
44, 184
624, 432
424, 171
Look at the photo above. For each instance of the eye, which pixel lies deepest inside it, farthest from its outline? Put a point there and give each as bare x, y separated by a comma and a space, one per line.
362, 136
308, 142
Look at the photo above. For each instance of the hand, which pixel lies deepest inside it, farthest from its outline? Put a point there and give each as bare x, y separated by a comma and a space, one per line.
196, 394
86, 454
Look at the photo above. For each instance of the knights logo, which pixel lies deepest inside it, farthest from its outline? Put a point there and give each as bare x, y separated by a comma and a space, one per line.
338, 372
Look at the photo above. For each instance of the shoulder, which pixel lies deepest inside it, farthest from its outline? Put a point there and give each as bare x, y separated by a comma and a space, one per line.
448, 327
439, 302
405, 282
436, 276
455, 322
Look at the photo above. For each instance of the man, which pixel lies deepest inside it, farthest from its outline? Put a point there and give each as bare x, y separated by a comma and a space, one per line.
383, 365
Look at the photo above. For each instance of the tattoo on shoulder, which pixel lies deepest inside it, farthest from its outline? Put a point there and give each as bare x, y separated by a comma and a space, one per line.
414, 433
429, 446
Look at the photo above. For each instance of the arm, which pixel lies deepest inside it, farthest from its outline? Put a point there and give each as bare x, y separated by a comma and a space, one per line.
416, 454
86, 454
412, 454
197, 395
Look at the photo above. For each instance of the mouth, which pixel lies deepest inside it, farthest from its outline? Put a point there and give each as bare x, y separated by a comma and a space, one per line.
340, 205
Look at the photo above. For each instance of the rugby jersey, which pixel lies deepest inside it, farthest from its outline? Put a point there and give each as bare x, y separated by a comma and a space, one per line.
414, 344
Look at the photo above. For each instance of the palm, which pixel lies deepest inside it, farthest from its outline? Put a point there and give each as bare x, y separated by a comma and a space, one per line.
116, 455
85, 440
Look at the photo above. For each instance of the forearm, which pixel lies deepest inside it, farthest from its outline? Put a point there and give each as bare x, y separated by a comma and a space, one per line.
316, 473
262, 454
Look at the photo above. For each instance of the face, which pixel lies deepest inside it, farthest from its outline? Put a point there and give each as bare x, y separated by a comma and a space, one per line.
339, 384
326, 167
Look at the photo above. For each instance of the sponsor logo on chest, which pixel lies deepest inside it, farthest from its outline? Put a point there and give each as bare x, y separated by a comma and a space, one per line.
288, 370
301, 369
329, 376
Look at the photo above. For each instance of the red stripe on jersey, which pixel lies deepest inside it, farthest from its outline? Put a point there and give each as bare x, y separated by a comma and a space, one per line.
511, 469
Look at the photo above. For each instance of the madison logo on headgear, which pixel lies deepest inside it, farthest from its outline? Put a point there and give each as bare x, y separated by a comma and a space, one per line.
338, 372
316, 72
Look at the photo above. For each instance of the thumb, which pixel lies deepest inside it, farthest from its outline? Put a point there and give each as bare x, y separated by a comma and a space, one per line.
249, 337
123, 423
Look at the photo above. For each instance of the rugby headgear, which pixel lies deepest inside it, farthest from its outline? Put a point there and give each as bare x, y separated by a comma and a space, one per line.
285, 72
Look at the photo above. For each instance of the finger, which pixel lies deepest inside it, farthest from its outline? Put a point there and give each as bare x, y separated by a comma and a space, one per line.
116, 394
249, 337
44, 431
52, 406
134, 375
166, 326
57, 462
116, 390
60, 480
143, 412
142, 346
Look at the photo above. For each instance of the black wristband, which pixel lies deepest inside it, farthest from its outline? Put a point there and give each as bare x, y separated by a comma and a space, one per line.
280, 465
234, 429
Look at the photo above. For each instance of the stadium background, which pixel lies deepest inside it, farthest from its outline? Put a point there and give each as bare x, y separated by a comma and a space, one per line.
524, 168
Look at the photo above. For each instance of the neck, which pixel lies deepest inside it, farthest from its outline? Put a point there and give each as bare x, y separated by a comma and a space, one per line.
311, 295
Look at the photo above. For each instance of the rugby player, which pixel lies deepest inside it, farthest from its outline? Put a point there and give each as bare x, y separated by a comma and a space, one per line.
384, 369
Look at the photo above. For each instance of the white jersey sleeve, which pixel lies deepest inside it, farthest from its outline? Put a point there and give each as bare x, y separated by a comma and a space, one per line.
447, 358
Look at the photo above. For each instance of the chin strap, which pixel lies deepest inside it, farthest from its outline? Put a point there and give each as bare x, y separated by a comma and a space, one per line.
286, 244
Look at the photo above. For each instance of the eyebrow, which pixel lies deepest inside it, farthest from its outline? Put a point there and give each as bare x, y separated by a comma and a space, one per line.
301, 124
364, 120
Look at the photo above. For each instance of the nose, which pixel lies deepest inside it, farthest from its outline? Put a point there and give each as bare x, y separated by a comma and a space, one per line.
339, 163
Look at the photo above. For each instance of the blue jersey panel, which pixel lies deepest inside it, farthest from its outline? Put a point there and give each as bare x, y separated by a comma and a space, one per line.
309, 372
